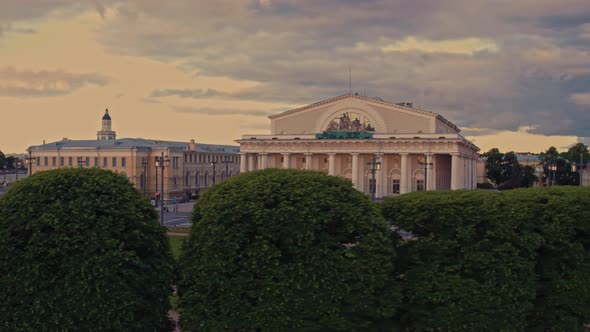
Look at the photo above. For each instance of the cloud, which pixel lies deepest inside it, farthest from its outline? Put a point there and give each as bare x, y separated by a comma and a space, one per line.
482, 64
187, 93
581, 99
223, 111
100, 9
458, 46
44, 83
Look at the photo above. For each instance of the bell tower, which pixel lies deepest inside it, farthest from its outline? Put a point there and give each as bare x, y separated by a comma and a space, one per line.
106, 132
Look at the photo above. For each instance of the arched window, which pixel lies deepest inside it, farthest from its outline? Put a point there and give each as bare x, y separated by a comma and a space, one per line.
187, 179
197, 178
206, 179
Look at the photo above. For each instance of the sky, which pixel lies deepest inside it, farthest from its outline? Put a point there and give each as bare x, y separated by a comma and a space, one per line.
511, 74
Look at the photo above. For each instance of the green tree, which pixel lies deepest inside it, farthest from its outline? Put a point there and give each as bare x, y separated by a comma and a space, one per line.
562, 264
503, 169
2, 160
80, 249
562, 175
279, 250
469, 265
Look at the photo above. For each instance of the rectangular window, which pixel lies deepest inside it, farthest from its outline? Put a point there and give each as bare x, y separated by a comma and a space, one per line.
53, 161
70, 161
46, 161
95, 161
420, 185
62, 161
79, 162
87, 163
396, 186
114, 162
104, 162
123, 161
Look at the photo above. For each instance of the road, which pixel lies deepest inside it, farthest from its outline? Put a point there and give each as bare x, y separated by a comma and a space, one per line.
180, 218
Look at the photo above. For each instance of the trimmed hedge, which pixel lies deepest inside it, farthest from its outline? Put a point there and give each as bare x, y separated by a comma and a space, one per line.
80, 249
494, 261
279, 250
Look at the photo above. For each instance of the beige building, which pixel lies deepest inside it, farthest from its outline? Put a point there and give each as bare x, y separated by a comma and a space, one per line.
192, 167
383, 148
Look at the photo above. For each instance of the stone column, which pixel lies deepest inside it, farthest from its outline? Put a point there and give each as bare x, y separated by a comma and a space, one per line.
355, 170
455, 171
331, 163
263, 160
475, 173
404, 168
384, 184
243, 162
308, 161
431, 159
381, 177
251, 162
286, 161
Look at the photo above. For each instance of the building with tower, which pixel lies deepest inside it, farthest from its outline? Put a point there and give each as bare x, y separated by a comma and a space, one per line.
192, 167
106, 132
383, 148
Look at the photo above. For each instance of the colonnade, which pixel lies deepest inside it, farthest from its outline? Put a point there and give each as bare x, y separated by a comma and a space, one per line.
437, 172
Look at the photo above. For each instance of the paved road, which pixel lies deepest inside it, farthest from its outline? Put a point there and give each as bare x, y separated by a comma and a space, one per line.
180, 218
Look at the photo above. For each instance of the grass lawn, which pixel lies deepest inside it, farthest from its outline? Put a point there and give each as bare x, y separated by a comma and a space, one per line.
176, 244
178, 229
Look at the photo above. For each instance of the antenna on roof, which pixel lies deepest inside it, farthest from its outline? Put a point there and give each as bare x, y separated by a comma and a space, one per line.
349, 79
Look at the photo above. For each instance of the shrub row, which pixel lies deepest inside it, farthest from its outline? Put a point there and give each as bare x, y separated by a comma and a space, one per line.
494, 261
279, 250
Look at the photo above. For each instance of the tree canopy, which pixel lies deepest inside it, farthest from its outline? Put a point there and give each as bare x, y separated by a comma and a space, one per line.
80, 249
278, 250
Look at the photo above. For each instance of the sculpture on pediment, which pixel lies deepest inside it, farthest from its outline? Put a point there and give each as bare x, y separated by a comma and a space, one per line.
349, 122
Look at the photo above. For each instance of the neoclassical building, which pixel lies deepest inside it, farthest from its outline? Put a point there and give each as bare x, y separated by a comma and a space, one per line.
192, 166
383, 148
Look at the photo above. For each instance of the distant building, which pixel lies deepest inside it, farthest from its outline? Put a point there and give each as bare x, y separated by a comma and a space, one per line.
193, 166
347, 135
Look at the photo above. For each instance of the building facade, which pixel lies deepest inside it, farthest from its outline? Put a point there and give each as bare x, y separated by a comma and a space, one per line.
192, 166
383, 148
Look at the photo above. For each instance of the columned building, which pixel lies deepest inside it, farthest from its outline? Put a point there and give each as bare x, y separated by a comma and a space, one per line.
383, 148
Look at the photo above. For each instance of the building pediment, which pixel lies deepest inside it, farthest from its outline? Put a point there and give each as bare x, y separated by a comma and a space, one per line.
355, 113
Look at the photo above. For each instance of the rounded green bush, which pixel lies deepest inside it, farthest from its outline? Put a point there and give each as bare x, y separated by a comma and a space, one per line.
80, 249
279, 250
470, 263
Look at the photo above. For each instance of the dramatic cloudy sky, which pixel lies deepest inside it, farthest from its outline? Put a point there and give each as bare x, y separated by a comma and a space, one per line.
514, 74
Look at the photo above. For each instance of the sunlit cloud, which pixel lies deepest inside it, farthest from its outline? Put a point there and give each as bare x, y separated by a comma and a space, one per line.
457, 46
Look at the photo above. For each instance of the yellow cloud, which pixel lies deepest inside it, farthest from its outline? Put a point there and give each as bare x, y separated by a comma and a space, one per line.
455, 46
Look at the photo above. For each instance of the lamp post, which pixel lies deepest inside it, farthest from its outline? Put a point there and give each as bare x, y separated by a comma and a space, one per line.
144, 165
30, 161
553, 168
425, 165
226, 162
18, 165
161, 162
373, 165
213, 163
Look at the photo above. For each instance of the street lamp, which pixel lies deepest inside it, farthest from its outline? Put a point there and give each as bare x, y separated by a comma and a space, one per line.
213, 163
144, 165
553, 168
424, 164
18, 165
30, 161
373, 165
161, 162
226, 162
